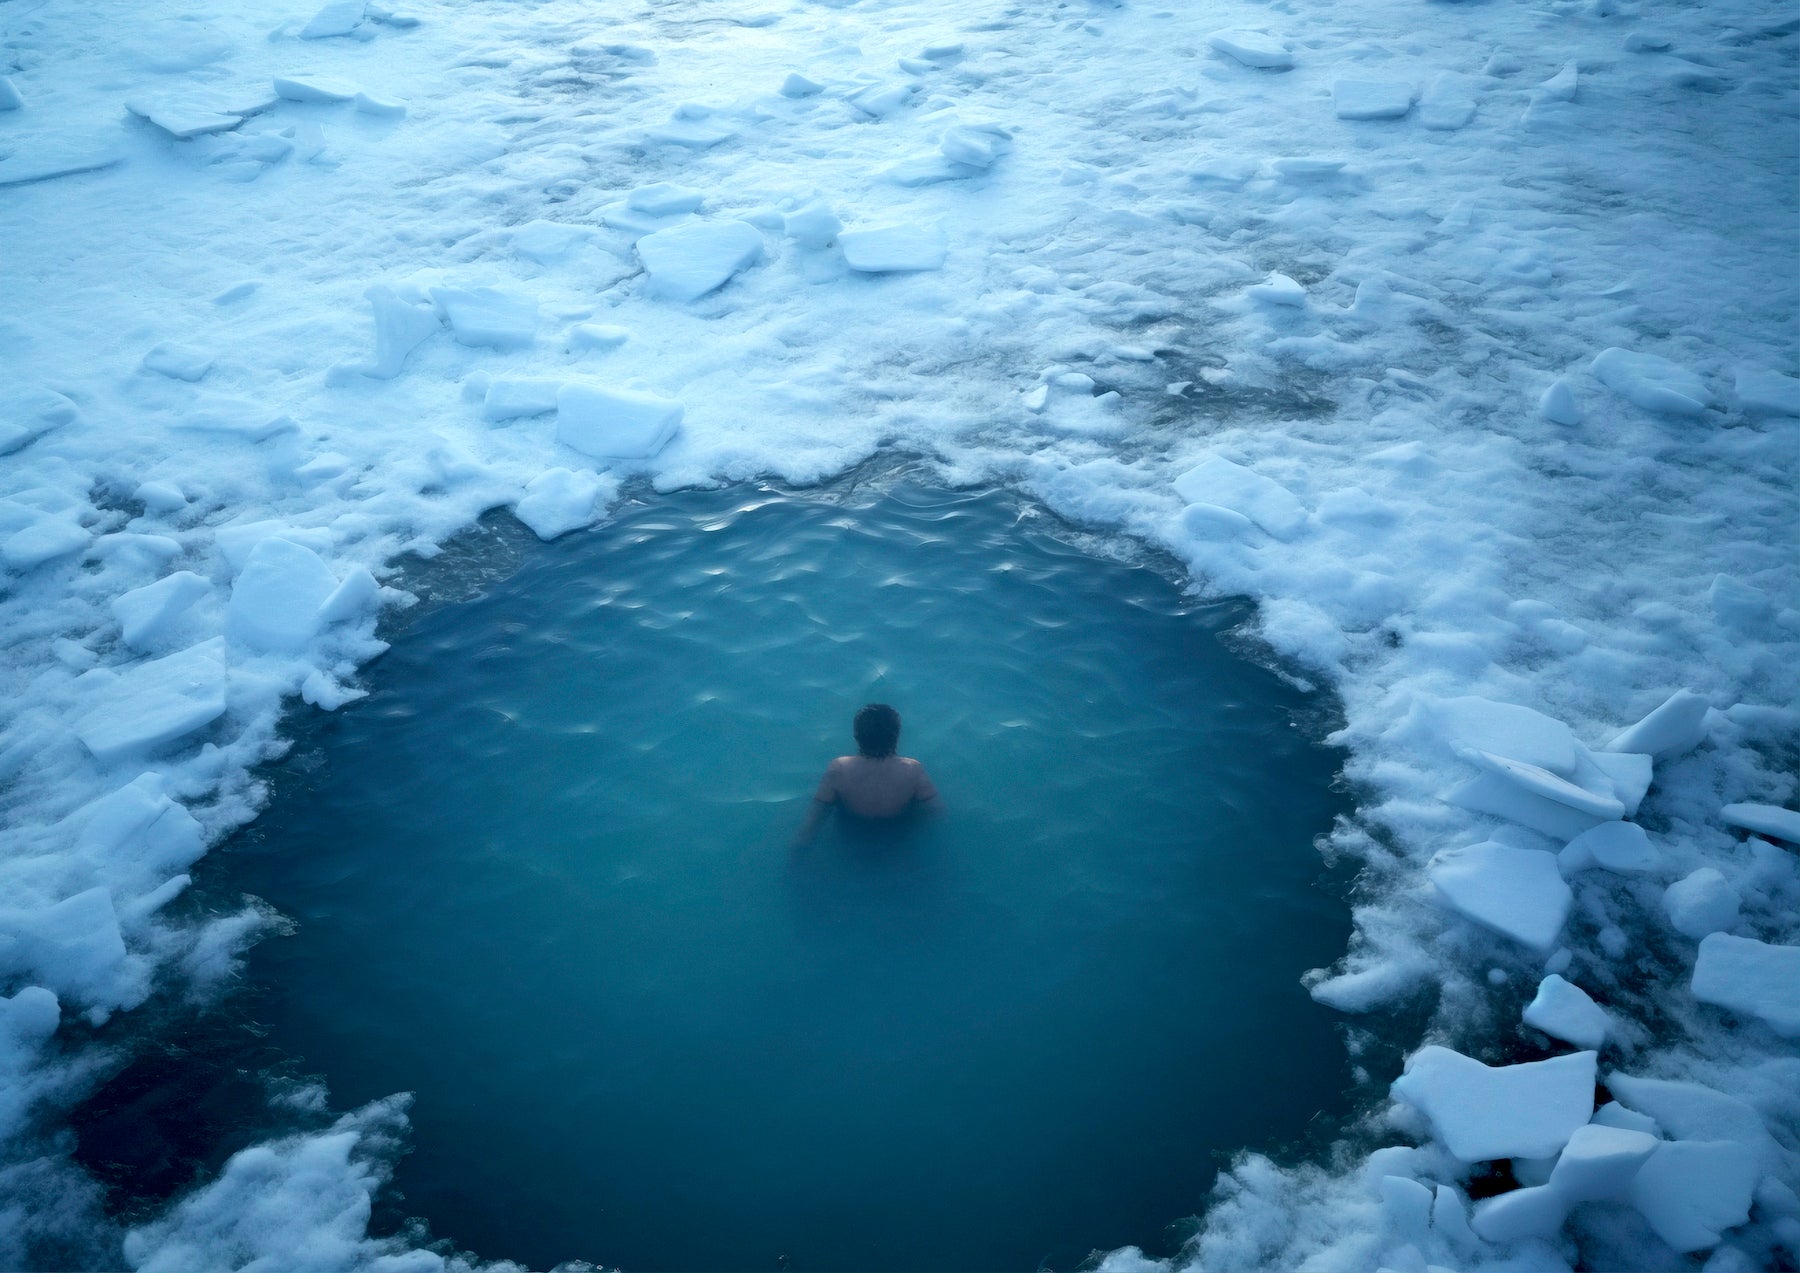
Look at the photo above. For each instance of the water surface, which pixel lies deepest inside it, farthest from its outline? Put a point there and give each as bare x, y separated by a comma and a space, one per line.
542, 878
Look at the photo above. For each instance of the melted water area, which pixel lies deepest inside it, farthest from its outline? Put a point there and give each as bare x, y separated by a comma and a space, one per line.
542, 878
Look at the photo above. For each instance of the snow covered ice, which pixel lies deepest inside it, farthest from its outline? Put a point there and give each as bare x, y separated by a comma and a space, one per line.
1460, 337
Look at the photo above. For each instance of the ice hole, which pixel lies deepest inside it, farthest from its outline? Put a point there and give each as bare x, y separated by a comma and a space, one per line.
541, 877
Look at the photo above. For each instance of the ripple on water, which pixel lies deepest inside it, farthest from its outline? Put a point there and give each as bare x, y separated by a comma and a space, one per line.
542, 880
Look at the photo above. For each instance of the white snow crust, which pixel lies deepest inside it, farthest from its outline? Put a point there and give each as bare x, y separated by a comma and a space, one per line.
1460, 337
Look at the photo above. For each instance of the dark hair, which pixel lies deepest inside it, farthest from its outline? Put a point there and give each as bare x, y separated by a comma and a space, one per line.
877, 728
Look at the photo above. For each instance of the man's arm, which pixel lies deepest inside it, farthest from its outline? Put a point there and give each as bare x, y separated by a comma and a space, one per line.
821, 804
926, 793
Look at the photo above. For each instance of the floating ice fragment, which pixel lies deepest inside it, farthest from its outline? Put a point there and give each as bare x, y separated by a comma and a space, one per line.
379, 107
1564, 1011
42, 159
486, 316
1448, 102
400, 327
976, 145
26, 414
141, 822
812, 225
797, 85
1654, 383
154, 704
1767, 392
1673, 729
1537, 1211
1613, 1114
9, 95
276, 600
1623, 847
1371, 99
1691, 1191
1562, 86
1764, 819
597, 336
1541, 782
1304, 167
878, 101
76, 950
1518, 893
1558, 404
664, 200
1505, 729
685, 262
1209, 522
181, 118
894, 249
1600, 1162
560, 501
44, 540
178, 362
1742, 606
1482, 1112
1646, 42
1277, 289
340, 17
1751, 977
160, 497
511, 397
146, 614
313, 88
614, 424
1216, 480
1253, 48
1691, 1111
1701, 903
548, 241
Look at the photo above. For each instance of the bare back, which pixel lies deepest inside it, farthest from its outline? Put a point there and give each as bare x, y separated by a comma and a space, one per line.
871, 788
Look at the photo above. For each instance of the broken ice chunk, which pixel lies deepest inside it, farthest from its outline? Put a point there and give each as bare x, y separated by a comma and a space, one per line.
1536, 1211
1691, 1191
276, 599
1751, 977
44, 540
181, 118
1613, 1114
178, 362
1307, 167
1600, 1162
1740, 605
339, 17
1491, 793
154, 704
1654, 383
1541, 782
511, 397
146, 614
664, 200
1563, 1011
1371, 99
1673, 729
812, 225
1623, 847
881, 100
1253, 48
1701, 903
380, 107
1518, 893
1482, 1112
1558, 404
1277, 289
1505, 729
26, 414
1764, 819
160, 497
486, 316
1448, 102
615, 424
1263, 500
597, 336
313, 88
548, 241
1767, 392
1562, 86
399, 329
797, 85
893, 249
9, 95
685, 262
560, 501
976, 145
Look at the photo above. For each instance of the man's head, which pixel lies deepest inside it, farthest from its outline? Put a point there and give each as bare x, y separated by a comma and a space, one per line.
877, 729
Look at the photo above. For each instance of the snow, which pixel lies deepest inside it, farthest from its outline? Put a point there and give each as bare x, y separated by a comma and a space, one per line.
1516, 892
1502, 1111
1564, 1011
1751, 977
1491, 397
685, 262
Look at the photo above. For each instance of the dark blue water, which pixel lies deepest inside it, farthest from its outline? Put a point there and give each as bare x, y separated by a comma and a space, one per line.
542, 878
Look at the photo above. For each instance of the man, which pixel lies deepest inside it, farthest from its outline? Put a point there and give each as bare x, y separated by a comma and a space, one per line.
877, 784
